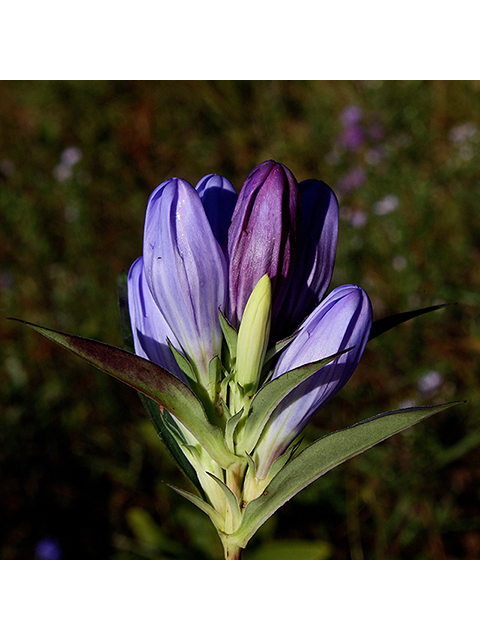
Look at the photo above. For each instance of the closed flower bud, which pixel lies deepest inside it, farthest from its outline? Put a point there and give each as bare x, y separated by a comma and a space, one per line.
186, 271
313, 268
342, 321
218, 197
150, 330
262, 236
253, 336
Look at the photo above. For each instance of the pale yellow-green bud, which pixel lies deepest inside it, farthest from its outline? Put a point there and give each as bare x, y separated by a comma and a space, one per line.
253, 336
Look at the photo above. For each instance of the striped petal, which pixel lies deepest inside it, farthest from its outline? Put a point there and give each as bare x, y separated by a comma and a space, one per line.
185, 270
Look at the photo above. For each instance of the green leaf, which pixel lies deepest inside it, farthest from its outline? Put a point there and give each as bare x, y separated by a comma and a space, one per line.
185, 366
271, 394
230, 427
167, 431
212, 513
278, 346
165, 426
385, 324
230, 334
322, 456
231, 498
153, 381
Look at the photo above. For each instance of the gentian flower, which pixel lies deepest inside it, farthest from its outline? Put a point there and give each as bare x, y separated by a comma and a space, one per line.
317, 242
342, 321
235, 345
186, 271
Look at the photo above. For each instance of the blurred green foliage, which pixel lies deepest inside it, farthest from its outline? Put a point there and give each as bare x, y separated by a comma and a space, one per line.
79, 461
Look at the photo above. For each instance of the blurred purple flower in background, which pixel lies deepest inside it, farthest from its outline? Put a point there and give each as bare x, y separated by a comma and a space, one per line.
352, 136
48, 549
352, 180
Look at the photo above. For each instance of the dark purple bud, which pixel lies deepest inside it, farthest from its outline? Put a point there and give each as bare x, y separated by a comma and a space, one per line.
262, 237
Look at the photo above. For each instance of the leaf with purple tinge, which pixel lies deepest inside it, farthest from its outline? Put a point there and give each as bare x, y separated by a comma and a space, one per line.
151, 380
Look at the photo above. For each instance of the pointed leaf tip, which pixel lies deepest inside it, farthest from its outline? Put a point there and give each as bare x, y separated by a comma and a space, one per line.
385, 324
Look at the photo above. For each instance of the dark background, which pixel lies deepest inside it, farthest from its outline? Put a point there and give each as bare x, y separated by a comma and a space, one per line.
81, 468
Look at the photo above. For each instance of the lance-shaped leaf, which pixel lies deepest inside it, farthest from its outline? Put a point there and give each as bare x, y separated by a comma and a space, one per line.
151, 380
212, 513
231, 499
385, 324
272, 393
322, 456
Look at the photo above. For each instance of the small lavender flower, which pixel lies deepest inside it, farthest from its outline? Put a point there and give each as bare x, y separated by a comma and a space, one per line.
352, 180
351, 115
386, 205
352, 138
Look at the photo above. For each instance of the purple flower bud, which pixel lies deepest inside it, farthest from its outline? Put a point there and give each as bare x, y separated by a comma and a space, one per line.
218, 196
149, 328
262, 236
185, 270
317, 243
343, 320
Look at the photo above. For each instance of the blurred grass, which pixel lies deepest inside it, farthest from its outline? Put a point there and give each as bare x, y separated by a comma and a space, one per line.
79, 461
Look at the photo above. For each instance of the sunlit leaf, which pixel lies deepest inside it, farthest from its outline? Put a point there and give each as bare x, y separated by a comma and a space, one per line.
322, 456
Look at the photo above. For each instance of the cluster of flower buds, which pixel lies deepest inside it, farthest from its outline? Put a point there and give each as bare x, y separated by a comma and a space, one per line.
228, 297
233, 346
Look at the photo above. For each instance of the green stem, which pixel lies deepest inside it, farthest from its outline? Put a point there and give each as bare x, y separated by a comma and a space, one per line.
232, 550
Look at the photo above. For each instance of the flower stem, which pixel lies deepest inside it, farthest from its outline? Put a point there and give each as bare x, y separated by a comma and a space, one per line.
232, 550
